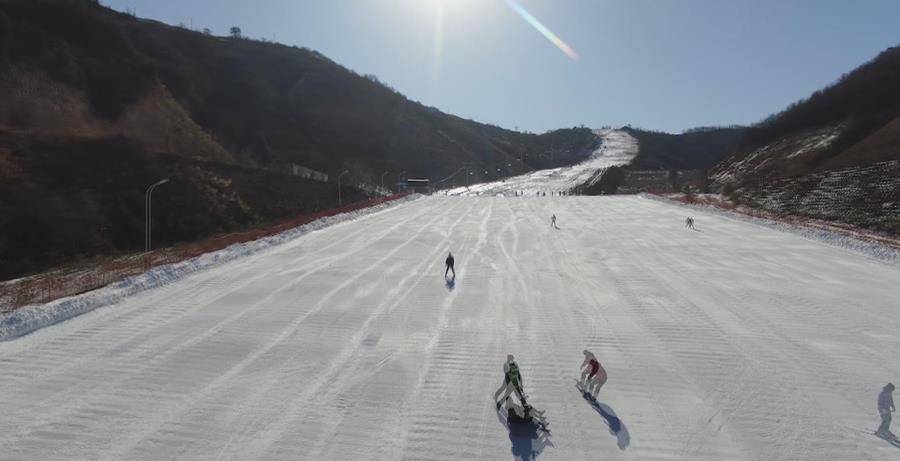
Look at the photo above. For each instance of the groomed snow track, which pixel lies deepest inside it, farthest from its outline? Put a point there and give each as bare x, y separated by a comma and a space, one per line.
734, 341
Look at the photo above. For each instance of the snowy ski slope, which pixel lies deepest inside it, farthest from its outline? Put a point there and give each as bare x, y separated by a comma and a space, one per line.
731, 342
617, 147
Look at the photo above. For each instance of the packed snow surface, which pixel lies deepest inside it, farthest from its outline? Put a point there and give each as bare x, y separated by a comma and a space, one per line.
616, 147
29, 318
734, 341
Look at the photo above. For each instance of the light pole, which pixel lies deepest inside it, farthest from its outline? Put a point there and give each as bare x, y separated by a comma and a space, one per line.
148, 213
398, 178
382, 179
339, 186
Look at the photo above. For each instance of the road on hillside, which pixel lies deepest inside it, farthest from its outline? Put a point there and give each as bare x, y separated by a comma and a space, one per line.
733, 341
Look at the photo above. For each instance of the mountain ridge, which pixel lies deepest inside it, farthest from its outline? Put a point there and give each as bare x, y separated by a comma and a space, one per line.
97, 105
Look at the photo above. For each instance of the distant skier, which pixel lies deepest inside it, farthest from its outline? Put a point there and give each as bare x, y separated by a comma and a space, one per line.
594, 376
553, 222
449, 263
885, 408
689, 223
512, 381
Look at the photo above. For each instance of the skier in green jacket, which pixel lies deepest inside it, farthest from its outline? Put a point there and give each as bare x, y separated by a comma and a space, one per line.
512, 381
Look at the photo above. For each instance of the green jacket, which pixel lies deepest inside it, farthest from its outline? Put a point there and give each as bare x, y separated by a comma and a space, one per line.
512, 373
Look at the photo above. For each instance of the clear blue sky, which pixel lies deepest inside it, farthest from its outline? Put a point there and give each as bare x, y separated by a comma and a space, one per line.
661, 64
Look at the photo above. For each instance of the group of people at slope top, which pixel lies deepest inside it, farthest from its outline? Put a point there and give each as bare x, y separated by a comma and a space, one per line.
593, 377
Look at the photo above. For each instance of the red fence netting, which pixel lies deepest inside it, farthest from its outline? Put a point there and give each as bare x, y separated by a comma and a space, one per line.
828, 226
67, 282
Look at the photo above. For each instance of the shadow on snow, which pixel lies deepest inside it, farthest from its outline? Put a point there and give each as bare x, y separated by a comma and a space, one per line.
616, 426
528, 438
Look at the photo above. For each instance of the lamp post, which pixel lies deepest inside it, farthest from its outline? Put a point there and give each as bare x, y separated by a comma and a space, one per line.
148, 213
382, 179
398, 178
339, 186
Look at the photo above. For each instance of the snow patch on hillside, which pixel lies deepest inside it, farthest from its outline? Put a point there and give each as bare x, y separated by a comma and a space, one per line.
816, 142
798, 146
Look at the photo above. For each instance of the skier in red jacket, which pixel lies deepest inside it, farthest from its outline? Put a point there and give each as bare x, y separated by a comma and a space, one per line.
594, 376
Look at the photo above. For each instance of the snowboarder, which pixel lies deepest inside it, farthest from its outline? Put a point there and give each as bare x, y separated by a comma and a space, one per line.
449, 263
512, 381
594, 376
553, 222
885, 408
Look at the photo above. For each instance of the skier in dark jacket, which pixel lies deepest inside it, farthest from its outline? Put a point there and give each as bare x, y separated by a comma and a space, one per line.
449, 262
885, 408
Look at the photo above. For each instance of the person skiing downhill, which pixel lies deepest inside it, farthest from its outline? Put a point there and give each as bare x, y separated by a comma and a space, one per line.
553, 222
593, 376
449, 263
512, 381
689, 222
885, 408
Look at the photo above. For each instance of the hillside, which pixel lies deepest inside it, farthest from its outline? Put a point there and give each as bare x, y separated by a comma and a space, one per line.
95, 105
834, 155
666, 162
696, 149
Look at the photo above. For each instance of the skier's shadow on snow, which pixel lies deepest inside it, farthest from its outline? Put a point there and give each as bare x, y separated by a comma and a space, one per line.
616, 426
450, 282
527, 438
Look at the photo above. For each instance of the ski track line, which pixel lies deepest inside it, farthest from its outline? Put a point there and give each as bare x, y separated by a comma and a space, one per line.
192, 274
51, 407
338, 365
291, 328
733, 342
449, 380
207, 280
49, 404
413, 399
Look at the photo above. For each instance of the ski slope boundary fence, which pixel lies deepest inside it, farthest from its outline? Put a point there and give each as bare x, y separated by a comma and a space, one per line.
72, 281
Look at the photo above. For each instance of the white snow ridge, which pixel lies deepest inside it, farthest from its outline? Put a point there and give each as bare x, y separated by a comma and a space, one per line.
730, 342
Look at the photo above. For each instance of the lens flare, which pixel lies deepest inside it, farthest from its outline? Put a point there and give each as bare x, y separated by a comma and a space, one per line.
563, 46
